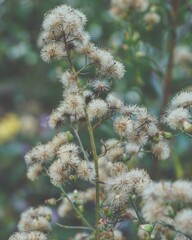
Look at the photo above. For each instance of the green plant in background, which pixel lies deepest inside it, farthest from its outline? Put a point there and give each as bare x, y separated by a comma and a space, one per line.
119, 191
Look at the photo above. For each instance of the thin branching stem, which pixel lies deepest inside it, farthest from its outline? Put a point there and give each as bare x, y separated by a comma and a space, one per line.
68, 54
174, 229
95, 157
136, 211
80, 143
72, 227
76, 210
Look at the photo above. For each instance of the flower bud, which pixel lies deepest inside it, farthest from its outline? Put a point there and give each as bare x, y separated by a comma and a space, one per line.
51, 201
187, 127
69, 136
171, 212
107, 212
81, 208
156, 139
48, 217
72, 177
152, 236
147, 227
75, 193
133, 197
167, 135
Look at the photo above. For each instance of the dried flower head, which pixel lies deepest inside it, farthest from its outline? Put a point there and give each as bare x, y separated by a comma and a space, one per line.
161, 150
35, 219
152, 18
121, 7
183, 221
127, 184
35, 235
182, 55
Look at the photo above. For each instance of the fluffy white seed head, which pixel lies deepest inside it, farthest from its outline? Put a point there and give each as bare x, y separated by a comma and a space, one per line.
161, 150
67, 148
118, 235
60, 139
68, 78
58, 173
176, 118
86, 171
115, 153
182, 99
97, 108
53, 51
74, 104
127, 184
40, 153
64, 19
81, 39
34, 171
35, 235
140, 5
123, 126
56, 118
182, 55
100, 85
114, 102
137, 137
118, 168
133, 150
159, 197
183, 221
178, 191
35, 219
107, 66
81, 236
153, 211
121, 7
152, 18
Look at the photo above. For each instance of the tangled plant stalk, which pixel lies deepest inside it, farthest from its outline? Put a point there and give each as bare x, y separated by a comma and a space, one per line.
160, 210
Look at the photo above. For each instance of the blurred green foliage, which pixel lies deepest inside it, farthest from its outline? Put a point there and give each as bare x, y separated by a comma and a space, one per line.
29, 89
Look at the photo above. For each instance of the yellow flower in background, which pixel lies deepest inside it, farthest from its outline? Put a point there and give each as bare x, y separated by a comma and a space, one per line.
9, 127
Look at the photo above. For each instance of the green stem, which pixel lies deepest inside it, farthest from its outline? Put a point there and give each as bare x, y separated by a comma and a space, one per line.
136, 211
95, 157
77, 210
174, 229
81, 145
72, 227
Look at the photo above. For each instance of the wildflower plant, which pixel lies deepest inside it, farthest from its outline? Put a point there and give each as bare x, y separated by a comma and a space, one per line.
160, 210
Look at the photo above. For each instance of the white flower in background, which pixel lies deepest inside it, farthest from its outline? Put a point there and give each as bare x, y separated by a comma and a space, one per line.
152, 18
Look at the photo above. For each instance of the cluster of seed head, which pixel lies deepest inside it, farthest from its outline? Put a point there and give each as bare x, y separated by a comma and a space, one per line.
121, 188
139, 128
35, 235
151, 18
178, 115
169, 203
63, 33
108, 235
122, 7
35, 224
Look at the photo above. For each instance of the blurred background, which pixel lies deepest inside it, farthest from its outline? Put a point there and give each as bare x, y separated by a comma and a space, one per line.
29, 89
